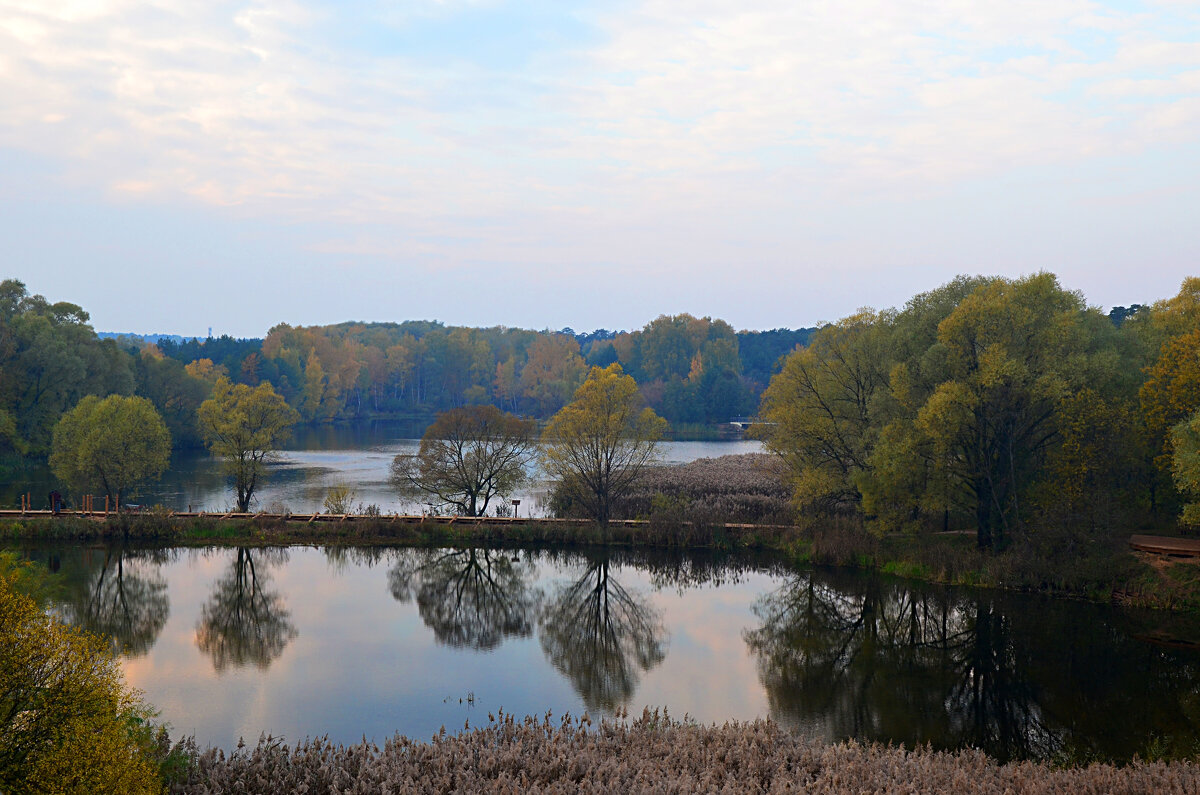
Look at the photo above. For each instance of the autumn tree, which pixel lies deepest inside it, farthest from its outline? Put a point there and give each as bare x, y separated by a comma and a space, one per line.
597, 444
113, 445
817, 410
245, 427
68, 723
1005, 358
467, 457
1185, 465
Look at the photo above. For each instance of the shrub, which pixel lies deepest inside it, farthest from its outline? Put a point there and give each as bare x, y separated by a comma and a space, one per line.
67, 721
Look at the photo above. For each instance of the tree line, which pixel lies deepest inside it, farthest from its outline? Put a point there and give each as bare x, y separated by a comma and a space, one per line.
691, 370
995, 405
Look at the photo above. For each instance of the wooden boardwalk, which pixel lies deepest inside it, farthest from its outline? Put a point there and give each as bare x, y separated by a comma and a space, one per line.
308, 518
1164, 545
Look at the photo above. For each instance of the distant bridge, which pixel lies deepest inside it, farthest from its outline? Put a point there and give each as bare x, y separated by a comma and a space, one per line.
745, 422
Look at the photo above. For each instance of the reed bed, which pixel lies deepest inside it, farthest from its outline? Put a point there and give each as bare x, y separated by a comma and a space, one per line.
747, 488
652, 754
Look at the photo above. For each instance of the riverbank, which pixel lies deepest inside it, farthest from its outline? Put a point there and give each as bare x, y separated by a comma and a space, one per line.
1095, 567
652, 754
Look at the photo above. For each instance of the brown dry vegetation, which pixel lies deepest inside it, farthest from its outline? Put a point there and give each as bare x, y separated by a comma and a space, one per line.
653, 754
746, 488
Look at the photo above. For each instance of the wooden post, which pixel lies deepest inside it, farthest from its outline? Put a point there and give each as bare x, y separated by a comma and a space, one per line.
106, 505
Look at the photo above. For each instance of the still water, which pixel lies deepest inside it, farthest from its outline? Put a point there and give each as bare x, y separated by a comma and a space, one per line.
317, 459
359, 643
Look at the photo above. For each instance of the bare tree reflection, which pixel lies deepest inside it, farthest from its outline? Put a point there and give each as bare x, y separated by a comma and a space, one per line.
468, 597
124, 599
601, 636
244, 622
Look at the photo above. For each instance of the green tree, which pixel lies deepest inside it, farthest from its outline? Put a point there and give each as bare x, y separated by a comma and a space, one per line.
246, 427
597, 444
819, 409
68, 723
1004, 360
1185, 465
114, 444
468, 456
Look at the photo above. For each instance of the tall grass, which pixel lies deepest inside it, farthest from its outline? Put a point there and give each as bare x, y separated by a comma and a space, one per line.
652, 754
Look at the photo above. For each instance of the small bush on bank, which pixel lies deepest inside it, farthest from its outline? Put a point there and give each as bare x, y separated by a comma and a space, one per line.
68, 724
651, 754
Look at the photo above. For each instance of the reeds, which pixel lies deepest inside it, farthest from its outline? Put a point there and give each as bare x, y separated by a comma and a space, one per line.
651, 754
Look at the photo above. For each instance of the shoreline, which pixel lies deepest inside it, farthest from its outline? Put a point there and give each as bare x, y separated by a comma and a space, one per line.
1121, 576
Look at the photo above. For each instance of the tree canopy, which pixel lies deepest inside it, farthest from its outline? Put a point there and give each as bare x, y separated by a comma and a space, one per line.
597, 444
246, 427
68, 723
113, 445
468, 457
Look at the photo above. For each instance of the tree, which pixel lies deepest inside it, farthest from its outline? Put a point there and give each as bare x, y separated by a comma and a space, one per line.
984, 411
68, 723
467, 457
1185, 460
818, 409
245, 427
598, 443
113, 444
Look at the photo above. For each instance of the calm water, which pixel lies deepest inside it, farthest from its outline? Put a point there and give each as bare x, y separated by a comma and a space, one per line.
229, 643
318, 459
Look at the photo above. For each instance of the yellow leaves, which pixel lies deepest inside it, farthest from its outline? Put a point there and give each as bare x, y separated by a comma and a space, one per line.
205, 370
72, 726
596, 444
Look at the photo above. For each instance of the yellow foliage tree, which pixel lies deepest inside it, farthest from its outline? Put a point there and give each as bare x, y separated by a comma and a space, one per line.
597, 444
68, 723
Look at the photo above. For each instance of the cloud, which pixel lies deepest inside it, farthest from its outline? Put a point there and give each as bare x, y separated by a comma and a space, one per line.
649, 132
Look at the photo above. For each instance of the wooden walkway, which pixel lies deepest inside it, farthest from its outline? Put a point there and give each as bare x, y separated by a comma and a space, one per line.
309, 518
1163, 545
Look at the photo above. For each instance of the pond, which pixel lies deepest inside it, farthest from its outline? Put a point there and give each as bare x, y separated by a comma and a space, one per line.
318, 459
355, 643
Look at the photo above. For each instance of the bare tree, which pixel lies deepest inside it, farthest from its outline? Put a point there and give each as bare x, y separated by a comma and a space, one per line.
468, 456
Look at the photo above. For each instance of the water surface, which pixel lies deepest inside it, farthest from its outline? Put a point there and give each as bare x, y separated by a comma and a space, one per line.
358, 643
316, 460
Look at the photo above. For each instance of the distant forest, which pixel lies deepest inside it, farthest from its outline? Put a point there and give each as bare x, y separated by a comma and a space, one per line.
690, 370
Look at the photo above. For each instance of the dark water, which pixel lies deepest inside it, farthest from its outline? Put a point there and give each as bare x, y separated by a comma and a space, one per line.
229, 643
317, 459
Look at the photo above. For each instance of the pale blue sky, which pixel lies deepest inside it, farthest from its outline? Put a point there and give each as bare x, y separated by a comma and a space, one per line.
176, 165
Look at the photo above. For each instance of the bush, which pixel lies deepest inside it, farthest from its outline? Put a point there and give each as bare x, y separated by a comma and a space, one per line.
68, 724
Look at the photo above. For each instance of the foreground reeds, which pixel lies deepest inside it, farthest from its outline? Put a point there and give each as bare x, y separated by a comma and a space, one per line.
652, 754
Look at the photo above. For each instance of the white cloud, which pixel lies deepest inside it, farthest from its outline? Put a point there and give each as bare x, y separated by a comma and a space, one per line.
685, 132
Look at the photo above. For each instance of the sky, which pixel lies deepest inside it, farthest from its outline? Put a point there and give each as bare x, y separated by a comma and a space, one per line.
173, 166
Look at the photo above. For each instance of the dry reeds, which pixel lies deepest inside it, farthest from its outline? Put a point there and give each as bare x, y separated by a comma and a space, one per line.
652, 754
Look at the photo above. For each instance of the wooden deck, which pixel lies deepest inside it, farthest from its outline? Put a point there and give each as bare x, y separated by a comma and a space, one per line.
1163, 545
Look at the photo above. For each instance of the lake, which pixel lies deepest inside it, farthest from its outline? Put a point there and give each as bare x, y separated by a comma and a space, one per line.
317, 459
353, 643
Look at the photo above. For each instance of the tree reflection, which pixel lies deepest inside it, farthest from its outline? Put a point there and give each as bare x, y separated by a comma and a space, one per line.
124, 599
601, 636
244, 621
468, 597
874, 661
900, 662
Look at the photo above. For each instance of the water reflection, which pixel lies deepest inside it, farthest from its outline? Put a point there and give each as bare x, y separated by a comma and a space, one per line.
833, 653
245, 622
874, 659
472, 597
601, 636
120, 594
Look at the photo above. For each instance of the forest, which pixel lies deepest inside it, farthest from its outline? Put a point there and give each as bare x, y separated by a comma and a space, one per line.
985, 405
691, 370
